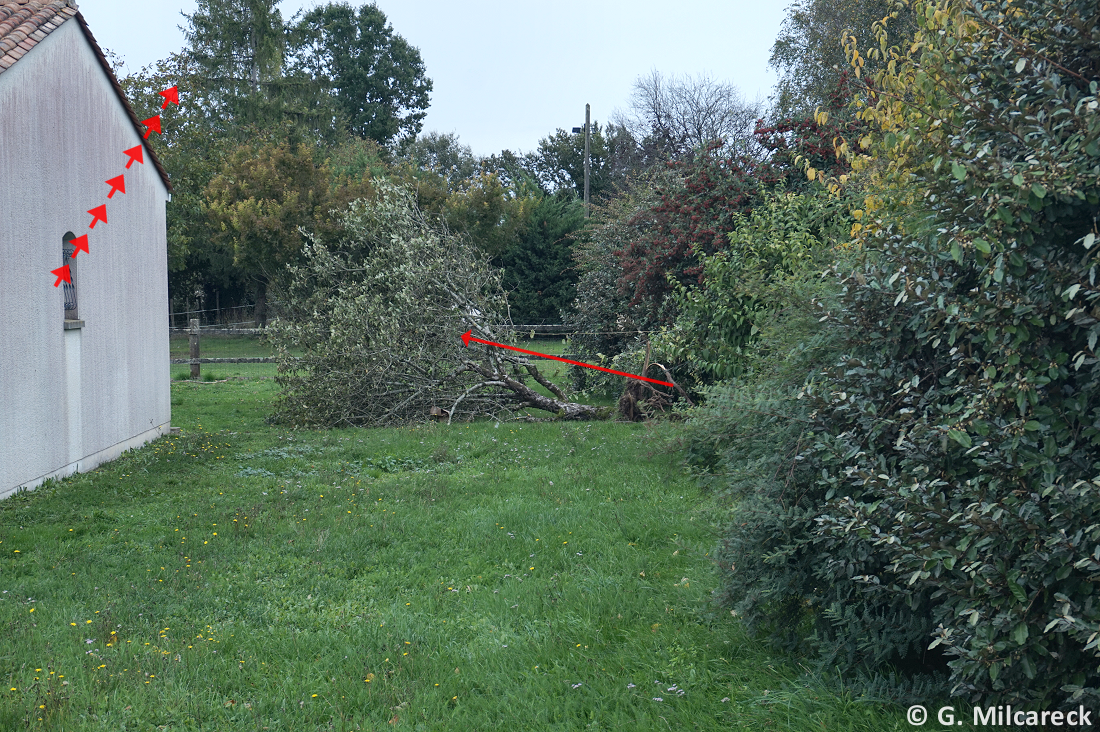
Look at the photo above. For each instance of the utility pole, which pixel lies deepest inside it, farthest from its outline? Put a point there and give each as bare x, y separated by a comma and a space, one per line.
587, 137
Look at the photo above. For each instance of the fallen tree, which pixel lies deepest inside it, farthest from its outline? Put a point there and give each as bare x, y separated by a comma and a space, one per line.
370, 330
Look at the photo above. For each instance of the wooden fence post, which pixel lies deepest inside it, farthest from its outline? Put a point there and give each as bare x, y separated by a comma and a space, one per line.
194, 333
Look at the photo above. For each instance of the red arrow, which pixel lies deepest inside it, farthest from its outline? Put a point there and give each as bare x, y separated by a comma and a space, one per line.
99, 213
153, 123
467, 337
80, 244
62, 273
118, 183
171, 94
135, 154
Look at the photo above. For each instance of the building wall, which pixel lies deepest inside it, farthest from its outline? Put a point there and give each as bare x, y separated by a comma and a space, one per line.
69, 399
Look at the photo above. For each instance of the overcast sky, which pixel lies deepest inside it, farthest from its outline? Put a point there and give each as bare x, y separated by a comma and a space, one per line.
507, 73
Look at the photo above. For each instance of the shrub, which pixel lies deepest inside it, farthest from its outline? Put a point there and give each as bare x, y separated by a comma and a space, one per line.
951, 476
653, 241
782, 238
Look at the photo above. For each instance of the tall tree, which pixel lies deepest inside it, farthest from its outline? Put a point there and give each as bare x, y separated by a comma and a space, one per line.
538, 268
558, 164
673, 117
809, 52
443, 154
259, 204
192, 152
238, 46
374, 76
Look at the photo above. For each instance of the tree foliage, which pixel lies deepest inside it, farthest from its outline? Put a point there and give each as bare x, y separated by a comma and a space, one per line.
969, 444
444, 155
601, 311
192, 152
262, 200
379, 318
558, 163
238, 50
376, 80
784, 237
940, 491
538, 267
335, 72
689, 211
809, 52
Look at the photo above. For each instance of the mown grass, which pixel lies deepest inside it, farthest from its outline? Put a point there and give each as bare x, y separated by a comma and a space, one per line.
219, 346
247, 346
243, 576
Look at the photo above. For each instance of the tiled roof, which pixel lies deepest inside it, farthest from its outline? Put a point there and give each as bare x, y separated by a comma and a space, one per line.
23, 23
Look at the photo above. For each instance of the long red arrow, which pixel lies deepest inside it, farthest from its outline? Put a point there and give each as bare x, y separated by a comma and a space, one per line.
99, 213
171, 94
80, 244
153, 123
467, 337
135, 154
62, 273
118, 183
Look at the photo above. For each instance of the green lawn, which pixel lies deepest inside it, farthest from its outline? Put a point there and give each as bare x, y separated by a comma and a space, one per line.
239, 576
219, 346
240, 346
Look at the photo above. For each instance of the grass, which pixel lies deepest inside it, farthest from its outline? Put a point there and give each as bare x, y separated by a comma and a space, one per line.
241, 576
238, 346
247, 346
219, 346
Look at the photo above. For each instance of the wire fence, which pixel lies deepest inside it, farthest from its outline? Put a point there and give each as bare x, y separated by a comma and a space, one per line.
218, 350
228, 317
211, 353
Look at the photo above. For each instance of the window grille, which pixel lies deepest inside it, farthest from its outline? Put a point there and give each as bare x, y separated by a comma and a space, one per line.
67, 250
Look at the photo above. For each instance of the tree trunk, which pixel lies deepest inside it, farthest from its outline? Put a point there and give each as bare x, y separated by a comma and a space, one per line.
529, 397
261, 304
560, 407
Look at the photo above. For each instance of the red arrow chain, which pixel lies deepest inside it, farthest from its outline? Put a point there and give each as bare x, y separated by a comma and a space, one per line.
117, 184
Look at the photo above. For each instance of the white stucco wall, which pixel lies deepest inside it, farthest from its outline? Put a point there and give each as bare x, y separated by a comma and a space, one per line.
62, 134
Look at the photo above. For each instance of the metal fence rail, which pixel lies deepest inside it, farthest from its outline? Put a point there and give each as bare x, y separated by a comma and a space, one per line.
196, 331
214, 330
242, 359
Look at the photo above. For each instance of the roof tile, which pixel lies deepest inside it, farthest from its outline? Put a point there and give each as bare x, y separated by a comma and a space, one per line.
25, 23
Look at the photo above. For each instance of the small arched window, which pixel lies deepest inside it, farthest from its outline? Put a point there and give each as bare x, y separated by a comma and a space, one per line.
70, 288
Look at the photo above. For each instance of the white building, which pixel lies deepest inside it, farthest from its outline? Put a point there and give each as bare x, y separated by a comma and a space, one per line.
80, 386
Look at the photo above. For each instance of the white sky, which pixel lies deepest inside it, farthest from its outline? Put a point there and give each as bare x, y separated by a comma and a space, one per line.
507, 73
